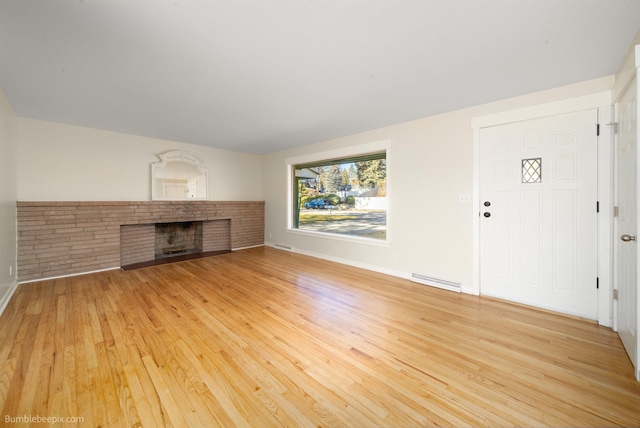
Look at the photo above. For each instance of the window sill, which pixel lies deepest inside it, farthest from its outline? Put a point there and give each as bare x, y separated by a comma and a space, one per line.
340, 237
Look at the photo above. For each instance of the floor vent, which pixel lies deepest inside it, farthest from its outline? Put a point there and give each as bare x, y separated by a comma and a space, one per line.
436, 282
283, 247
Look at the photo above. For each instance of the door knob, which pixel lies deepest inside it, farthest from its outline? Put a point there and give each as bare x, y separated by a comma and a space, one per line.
487, 214
627, 238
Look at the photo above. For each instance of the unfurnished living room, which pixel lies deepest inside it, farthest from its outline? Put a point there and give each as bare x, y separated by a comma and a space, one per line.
319, 213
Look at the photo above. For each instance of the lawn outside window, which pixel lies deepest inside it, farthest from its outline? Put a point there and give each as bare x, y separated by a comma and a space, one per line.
344, 196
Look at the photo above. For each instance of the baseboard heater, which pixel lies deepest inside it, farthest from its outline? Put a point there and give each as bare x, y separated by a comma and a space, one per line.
283, 247
436, 282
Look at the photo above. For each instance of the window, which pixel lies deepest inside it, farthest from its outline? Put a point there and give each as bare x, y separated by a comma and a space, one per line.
344, 196
532, 170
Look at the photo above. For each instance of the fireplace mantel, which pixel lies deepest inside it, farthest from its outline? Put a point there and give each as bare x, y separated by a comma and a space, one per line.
68, 238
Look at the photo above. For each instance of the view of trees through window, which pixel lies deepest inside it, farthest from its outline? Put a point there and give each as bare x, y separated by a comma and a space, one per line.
345, 196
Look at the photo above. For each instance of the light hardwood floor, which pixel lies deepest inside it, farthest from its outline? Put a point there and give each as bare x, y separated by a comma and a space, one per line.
262, 337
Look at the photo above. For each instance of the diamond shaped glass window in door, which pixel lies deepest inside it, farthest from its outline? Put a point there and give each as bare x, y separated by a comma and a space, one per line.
532, 170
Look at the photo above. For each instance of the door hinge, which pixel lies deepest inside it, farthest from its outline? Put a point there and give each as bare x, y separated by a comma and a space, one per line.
615, 211
597, 130
597, 206
615, 294
597, 283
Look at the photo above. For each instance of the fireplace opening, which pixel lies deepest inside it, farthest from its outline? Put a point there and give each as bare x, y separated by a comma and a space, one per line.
178, 238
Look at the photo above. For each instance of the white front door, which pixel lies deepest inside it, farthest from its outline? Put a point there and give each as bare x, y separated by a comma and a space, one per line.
538, 224
626, 223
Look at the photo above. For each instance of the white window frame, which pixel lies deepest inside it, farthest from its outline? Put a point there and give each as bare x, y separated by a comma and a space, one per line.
351, 151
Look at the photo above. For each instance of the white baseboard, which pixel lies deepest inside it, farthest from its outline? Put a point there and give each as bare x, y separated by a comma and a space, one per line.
69, 275
367, 266
245, 248
4, 301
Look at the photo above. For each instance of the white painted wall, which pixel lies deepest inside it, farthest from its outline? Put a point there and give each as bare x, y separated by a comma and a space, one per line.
430, 163
430, 166
8, 197
60, 162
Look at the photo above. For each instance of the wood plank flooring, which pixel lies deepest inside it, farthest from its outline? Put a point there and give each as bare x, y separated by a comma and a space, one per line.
268, 338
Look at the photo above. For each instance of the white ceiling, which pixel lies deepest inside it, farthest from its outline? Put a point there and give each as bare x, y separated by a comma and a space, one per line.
265, 75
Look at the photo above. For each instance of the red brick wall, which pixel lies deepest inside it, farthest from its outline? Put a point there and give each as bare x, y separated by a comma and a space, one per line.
65, 238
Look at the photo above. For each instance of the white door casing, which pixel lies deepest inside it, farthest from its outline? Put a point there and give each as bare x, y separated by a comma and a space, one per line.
538, 245
626, 222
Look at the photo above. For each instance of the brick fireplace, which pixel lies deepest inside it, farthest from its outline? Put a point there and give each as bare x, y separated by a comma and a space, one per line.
141, 243
67, 238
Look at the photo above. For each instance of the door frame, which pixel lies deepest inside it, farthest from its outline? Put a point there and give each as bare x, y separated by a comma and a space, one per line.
602, 102
628, 70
